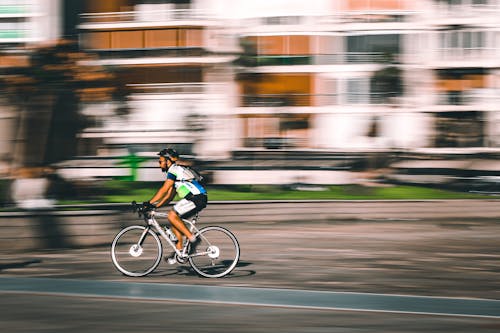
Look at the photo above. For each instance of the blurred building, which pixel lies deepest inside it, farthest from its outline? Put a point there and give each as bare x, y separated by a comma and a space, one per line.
232, 78
29, 21
177, 72
359, 74
22, 24
218, 78
351, 74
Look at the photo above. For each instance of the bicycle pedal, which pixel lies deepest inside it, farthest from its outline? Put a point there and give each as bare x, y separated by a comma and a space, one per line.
181, 260
171, 261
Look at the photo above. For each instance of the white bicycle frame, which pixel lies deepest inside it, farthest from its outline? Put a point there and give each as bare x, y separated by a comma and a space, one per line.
153, 223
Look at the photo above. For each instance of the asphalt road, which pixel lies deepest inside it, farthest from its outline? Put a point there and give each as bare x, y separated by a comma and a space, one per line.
440, 259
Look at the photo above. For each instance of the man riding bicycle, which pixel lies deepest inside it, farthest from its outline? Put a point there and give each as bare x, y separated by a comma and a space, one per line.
182, 181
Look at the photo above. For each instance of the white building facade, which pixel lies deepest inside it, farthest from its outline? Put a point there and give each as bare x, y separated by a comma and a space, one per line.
311, 77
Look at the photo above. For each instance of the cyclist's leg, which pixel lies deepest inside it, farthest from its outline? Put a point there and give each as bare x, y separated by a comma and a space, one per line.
184, 208
177, 234
178, 225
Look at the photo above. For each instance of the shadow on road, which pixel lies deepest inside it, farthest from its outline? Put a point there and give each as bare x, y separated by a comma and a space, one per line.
188, 271
21, 264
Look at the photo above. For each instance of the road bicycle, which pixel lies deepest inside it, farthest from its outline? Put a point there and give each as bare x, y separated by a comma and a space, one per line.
137, 250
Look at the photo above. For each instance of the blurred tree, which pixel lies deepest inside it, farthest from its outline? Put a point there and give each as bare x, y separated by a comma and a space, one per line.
248, 55
386, 84
47, 93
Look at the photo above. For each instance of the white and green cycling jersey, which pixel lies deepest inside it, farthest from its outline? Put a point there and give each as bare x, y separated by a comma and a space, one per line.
184, 180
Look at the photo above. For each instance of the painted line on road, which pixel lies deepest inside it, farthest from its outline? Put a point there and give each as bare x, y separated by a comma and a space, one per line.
288, 298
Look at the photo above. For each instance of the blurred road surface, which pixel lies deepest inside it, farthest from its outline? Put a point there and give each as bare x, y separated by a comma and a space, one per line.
454, 258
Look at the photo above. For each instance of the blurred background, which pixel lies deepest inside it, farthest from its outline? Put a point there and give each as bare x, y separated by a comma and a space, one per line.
282, 92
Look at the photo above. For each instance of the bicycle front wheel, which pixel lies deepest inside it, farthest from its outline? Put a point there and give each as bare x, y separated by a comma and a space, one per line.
216, 254
136, 251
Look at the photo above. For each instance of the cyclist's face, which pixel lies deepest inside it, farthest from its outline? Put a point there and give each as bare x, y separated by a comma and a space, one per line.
163, 163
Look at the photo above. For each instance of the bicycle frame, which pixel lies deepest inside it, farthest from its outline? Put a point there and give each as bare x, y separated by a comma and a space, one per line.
151, 221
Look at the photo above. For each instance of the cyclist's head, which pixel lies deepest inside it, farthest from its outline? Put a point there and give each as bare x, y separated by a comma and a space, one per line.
169, 154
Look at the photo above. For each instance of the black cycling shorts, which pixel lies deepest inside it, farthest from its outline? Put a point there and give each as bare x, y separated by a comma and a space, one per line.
190, 205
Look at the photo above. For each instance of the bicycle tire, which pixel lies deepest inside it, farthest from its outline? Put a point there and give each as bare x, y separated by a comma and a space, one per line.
217, 253
133, 260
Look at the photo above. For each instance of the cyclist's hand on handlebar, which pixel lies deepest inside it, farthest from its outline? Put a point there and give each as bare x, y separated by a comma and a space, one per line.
148, 206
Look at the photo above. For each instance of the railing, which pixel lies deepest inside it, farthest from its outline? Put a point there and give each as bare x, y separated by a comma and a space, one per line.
319, 59
467, 54
472, 97
177, 88
277, 100
298, 100
136, 16
444, 10
343, 16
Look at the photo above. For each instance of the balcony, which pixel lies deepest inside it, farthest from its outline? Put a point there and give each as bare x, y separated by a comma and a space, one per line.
143, 17
464, 12
477, 98
467, 57
315, 59
204, 89
277, 100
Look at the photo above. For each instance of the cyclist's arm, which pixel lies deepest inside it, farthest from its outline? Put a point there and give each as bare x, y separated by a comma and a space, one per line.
169, 195
162, 192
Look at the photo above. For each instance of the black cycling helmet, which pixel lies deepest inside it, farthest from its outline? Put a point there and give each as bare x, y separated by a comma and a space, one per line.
169, 153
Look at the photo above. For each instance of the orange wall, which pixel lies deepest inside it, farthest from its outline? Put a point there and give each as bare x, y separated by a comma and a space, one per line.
137, 39
465, 83
293, 45
127, 39
298, 87
377, 4
161, 74
107, 6
282, 45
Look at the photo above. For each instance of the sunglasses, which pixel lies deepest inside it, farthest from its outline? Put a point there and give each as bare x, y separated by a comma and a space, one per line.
164, 161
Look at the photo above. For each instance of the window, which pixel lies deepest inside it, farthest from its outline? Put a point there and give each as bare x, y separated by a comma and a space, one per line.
459, 129
372, 48
479, 2
282, 20
458, 43
357, 91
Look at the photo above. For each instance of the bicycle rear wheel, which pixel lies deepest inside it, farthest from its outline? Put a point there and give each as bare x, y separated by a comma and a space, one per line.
133, 257
216, 254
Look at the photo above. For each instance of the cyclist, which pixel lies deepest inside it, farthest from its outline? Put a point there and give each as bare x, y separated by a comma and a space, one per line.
193, 195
